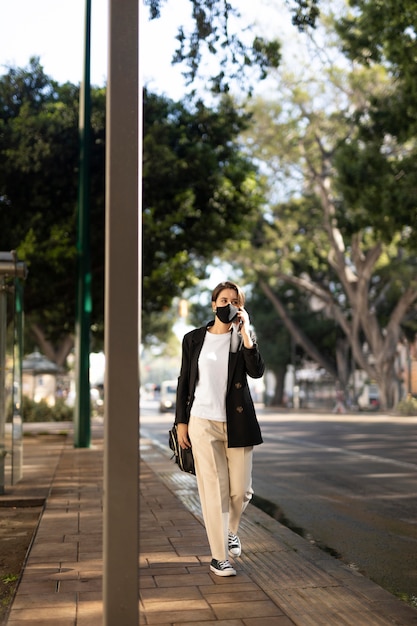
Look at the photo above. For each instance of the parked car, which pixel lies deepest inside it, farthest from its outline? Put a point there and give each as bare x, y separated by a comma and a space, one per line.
168, 396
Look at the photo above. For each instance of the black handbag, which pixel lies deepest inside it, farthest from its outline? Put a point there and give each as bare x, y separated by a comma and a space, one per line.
183, 458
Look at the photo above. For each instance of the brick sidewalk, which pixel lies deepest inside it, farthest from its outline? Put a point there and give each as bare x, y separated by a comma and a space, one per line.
281, 578
62, 579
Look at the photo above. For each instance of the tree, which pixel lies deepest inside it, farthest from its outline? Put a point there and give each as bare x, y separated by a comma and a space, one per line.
352, 173
199, 193
318, 243
384, 32
218, 31
38, 198
277, 342
383, 151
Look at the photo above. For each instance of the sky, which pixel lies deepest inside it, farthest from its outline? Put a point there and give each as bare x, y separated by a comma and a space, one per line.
54, 31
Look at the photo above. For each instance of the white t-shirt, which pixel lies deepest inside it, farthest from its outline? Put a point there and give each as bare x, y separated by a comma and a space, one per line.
210, 393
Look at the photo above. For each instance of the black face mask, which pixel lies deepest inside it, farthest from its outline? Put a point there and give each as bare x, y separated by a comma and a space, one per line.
227, 314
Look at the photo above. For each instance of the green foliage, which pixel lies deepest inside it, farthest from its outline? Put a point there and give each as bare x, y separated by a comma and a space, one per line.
42, 412
372, 184
408, 406
305, 13
377, 168
340, 187
200, 313
157, 327
10, 578
275, 336
38, 192
382, 31
199, 192
272, 335
218, 31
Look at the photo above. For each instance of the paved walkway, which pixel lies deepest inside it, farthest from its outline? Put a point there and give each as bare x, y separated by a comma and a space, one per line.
281, 580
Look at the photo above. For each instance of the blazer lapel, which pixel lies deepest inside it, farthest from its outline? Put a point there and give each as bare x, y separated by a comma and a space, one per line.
235, 347
196, 345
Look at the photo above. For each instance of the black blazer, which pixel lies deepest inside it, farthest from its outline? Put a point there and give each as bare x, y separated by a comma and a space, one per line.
242, 425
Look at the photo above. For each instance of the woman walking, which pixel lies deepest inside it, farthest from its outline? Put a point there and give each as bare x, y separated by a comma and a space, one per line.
215, 411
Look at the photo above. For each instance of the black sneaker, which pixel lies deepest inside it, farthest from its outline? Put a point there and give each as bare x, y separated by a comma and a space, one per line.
222, 568
235, 549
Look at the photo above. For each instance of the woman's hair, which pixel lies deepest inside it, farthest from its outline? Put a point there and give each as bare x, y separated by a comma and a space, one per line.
227, 284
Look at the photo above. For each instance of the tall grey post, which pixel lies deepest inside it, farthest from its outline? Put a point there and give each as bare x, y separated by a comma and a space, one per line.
121, 437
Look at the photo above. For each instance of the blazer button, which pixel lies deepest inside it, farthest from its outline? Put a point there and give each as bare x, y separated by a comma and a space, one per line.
239, 409
238, 385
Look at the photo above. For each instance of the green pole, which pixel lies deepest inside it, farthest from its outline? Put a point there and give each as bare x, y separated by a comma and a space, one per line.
83, 313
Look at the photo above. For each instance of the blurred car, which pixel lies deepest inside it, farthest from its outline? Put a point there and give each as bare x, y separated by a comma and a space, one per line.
168, 396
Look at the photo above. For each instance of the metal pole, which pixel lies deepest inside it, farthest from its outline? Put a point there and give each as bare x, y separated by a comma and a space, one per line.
3, 328
17, 396
83, 312
121, 420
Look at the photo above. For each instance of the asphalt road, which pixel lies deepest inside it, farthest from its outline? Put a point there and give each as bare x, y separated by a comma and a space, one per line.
345, 482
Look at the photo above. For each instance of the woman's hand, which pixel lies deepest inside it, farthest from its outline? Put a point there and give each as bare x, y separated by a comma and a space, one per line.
244, 323
183, 440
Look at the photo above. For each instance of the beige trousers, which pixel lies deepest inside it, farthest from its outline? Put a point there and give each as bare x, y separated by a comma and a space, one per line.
224, 480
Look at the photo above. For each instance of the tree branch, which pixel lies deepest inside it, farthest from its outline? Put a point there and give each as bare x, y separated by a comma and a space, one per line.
296, 332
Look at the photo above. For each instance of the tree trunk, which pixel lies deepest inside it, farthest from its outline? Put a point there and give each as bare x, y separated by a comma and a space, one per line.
296, 332
57, 354
279, 373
